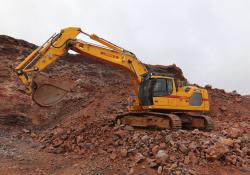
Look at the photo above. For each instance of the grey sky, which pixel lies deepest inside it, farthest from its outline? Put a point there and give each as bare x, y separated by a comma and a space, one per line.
208, 39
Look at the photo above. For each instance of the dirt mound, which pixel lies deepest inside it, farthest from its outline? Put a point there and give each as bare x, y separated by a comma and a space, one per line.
82, 124
172, 70
10, 47
12, 101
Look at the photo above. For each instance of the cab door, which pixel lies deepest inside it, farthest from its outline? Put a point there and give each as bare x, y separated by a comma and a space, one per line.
171, 95
162, 92
145, 93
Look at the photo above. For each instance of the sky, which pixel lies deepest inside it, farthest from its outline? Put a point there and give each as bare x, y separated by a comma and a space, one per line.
208, 39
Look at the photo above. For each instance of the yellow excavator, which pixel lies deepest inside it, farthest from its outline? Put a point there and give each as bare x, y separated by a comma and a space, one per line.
160, 102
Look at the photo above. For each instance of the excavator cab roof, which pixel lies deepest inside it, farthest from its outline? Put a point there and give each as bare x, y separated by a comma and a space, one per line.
156, 75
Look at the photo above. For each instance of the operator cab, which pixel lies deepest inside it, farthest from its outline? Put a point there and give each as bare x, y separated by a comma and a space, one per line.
155, 85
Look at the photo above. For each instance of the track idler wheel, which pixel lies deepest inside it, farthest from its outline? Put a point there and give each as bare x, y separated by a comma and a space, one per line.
196, 121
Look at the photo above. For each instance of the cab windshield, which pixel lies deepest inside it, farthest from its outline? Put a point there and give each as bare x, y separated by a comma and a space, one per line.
162, 87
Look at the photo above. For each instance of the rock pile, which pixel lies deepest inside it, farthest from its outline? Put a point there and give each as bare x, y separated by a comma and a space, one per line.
165, 151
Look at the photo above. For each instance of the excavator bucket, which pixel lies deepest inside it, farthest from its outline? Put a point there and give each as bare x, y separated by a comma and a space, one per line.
47, 92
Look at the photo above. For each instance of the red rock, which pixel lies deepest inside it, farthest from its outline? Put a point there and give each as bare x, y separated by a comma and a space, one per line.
173, 166
138, 157
161, 156
186, 160
178, 172
112, 156
33, 135
135, 137
227, 142
192, 145
155, 149
223, 108
79, 139
235, 132
58, 131
238, 99
26, 130
192, 172
131, 171
153, 164
217, 151
231, 158
172, 158
159, 170
57, 142
145, 138
162, 146
124, 152
121, 133
192, 157
183, 148
128, 127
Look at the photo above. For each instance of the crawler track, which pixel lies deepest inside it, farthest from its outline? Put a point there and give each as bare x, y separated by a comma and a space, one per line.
150, 120
173, 121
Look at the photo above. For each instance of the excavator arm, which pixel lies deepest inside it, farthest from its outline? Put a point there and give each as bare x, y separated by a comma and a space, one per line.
48, 93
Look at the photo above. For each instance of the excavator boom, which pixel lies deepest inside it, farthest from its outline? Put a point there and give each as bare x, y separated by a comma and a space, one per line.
48, 92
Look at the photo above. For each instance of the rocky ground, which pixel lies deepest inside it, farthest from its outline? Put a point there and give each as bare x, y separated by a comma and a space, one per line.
78, 135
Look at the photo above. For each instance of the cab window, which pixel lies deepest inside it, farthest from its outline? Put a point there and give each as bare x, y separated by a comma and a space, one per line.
169, 86
162, 87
